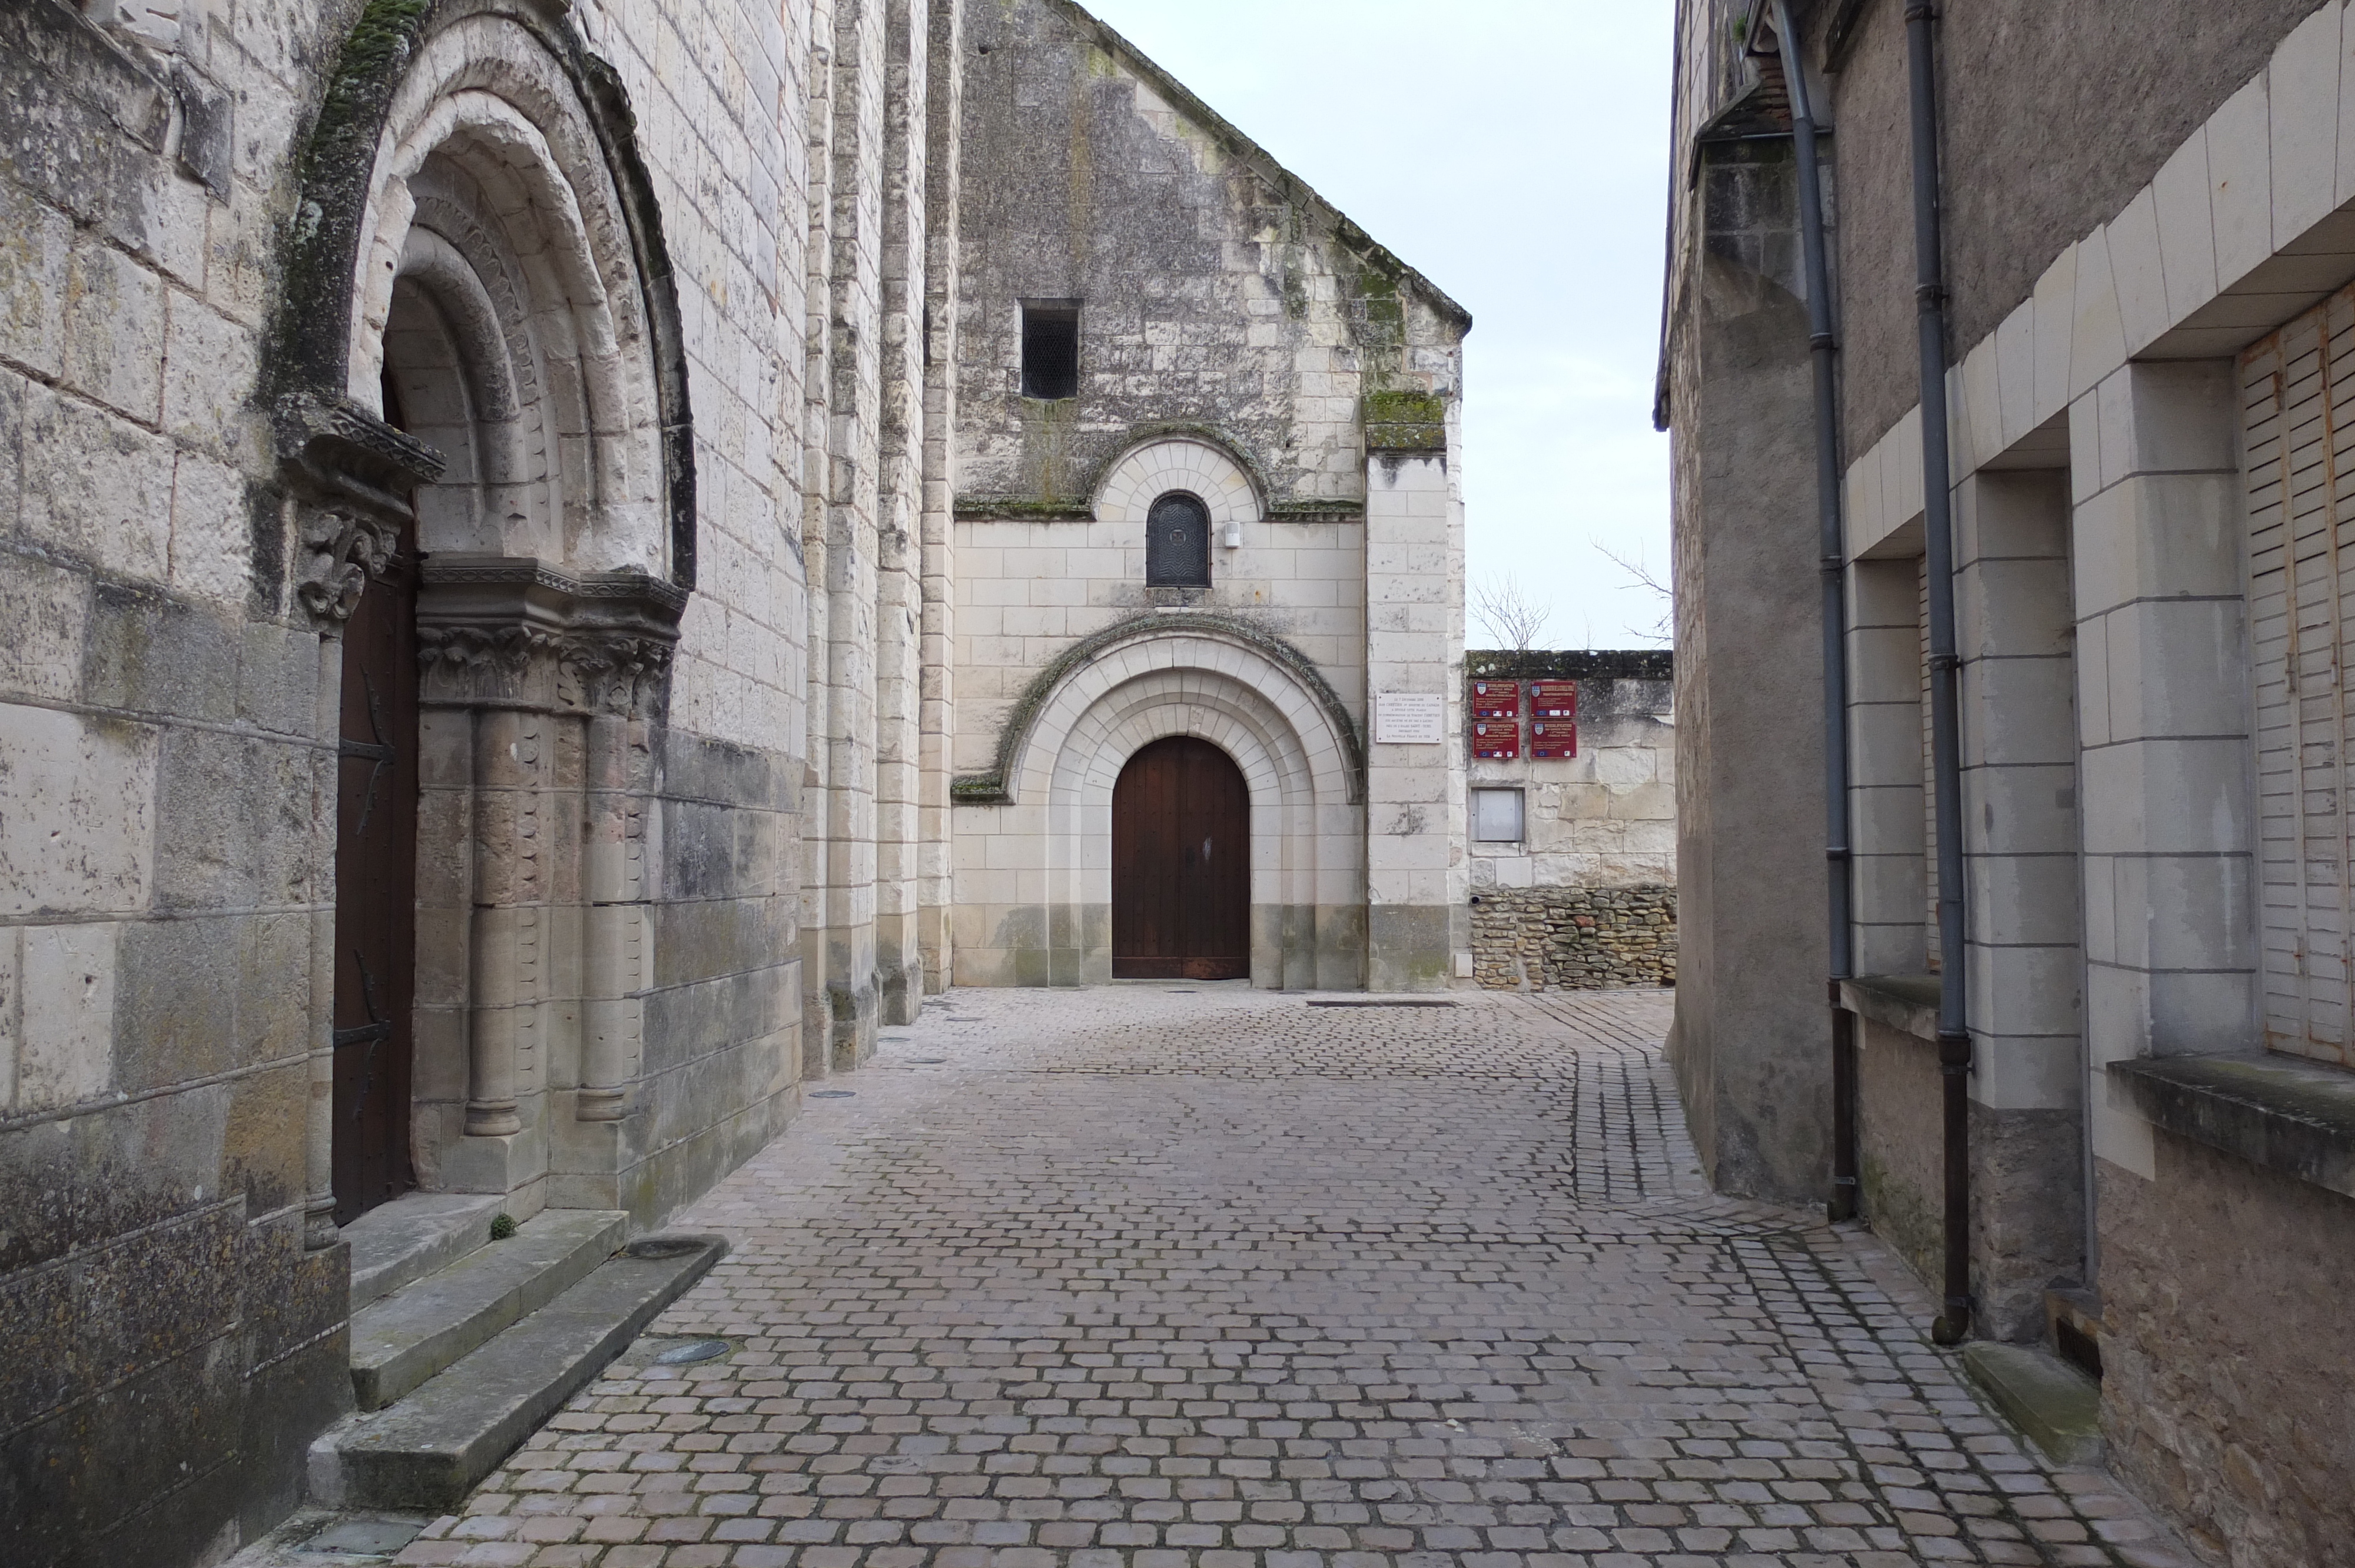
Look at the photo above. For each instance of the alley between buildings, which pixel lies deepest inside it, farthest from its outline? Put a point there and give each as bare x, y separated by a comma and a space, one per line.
1162, 1274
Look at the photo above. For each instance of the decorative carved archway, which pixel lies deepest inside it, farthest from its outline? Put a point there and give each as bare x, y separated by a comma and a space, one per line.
477, 234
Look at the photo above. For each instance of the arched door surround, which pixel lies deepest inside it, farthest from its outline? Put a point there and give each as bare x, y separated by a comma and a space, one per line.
478, 241
1034, 842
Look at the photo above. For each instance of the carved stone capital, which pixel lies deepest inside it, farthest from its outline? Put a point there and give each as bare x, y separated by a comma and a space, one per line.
512, 632
350, 473
343, 548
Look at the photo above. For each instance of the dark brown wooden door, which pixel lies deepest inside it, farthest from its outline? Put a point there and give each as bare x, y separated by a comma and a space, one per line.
1180, 865
376, 893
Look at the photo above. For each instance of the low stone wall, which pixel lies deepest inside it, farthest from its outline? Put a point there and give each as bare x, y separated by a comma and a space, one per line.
1574, 938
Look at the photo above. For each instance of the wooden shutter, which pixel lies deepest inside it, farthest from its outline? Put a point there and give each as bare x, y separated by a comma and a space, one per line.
2299, 410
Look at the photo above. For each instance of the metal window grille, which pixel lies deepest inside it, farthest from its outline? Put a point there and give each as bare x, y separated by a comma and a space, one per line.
1177, 543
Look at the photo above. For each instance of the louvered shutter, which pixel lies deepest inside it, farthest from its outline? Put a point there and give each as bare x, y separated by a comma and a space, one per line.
2299, 408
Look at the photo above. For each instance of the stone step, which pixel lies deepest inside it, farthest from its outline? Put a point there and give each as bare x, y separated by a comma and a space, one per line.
2058, 1406
411, 1335
411, 1237
431, 1449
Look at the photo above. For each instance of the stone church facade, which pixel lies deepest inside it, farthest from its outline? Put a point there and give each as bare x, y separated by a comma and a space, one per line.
565, 562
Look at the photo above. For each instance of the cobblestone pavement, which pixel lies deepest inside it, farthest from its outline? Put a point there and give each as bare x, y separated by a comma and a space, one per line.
1164, 1275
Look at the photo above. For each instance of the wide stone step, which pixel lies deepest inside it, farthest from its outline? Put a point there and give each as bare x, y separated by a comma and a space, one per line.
414, 1333
410, 1238
431, 1449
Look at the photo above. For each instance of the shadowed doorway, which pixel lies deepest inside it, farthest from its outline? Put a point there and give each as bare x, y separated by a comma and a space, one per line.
1180, 865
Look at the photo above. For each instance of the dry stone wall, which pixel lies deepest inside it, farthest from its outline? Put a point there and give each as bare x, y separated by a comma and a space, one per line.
1574, 938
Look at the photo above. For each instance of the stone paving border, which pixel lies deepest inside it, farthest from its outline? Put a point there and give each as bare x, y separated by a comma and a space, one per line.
1194, 1277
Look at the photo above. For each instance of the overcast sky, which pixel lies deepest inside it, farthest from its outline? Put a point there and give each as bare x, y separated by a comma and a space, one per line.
1515, 151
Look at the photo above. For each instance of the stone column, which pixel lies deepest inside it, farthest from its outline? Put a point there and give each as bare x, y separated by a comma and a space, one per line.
2163, 720
944, 118
817, 446
614, 915
898, 959
1418, 919
505, 936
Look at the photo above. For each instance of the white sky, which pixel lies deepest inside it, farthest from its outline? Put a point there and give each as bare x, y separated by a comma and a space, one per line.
1515, 151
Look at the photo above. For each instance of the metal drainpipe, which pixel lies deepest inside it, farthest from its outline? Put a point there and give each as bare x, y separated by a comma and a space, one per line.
1945, 750
1824, 347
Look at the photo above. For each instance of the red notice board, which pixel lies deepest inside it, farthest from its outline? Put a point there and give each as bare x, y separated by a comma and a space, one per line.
1553, 699
1499, 739
1553, 737
1495, 699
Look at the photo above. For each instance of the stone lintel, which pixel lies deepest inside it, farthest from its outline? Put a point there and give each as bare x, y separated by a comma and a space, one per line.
2292, 1117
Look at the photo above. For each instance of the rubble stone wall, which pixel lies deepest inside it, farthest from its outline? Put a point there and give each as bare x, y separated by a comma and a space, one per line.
1574, 938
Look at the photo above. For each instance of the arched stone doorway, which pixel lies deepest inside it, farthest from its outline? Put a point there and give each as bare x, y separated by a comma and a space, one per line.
1180, 865
483, 398
1034, 838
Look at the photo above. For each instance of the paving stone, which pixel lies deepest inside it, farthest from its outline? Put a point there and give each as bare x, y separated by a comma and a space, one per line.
1199, 1276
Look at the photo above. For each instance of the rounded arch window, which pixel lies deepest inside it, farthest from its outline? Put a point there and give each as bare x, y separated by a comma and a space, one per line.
1177, 542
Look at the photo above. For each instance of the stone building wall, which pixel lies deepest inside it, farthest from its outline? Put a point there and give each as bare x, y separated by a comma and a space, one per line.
2158, 1095
1242, 342
1599, 829
172, 1289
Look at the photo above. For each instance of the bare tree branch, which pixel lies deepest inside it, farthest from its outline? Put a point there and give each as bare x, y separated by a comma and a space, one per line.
1508, 616
1640, 569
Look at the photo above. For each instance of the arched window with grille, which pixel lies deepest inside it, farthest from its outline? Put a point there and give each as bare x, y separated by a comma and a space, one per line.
1177, 543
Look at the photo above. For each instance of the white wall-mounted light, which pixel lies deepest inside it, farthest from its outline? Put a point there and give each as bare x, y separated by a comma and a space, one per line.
1231, 536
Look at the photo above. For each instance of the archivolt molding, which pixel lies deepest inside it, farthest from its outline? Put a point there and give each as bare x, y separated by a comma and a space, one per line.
1195, 459
1074, 678
511, 83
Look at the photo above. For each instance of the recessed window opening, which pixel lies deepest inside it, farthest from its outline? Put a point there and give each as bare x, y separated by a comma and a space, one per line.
1497, 816
1051, 350
1177, 543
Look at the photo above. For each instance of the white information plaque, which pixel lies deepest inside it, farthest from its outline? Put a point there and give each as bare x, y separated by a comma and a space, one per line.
1409, 718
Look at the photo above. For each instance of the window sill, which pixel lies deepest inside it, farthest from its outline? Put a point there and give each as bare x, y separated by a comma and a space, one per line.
1907, 1004
2287, 1116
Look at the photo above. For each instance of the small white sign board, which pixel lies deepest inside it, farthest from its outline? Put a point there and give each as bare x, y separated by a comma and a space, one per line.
1409, 718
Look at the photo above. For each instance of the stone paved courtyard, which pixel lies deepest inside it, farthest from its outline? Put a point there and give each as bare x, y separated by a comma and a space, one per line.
1164, 1275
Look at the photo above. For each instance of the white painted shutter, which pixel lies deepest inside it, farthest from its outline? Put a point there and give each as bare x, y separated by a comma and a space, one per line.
2298, 445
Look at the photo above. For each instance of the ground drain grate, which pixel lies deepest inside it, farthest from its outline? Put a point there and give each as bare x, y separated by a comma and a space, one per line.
1434, 1001
833, 1094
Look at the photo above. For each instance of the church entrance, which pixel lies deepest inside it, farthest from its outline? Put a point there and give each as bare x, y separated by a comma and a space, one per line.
1180, 865
376, 892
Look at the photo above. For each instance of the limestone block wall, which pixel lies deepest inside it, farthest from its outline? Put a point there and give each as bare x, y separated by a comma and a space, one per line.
1236, 339
170, 1292
2126, 340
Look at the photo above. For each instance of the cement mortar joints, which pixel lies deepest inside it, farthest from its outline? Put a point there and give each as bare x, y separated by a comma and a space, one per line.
1168, 1274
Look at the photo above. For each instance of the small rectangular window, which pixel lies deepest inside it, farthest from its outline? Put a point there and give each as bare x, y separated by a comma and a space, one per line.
1497, 816
1050, 350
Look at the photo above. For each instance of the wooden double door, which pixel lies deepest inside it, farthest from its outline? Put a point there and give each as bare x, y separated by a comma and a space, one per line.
1180, 865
